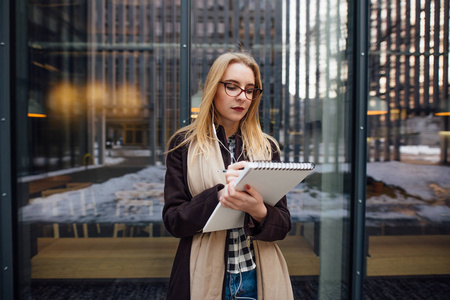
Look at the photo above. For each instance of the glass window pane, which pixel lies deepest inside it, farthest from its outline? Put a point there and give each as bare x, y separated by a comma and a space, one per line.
301, 49
97, 98
408, 175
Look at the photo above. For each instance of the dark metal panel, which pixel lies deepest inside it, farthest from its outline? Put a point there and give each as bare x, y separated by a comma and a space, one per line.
121, 70
359, 20
307, 113
142, 59
417, 57
407, 81
445, 76
100, 75
236, 20
185, 60
398, 31
130, 58
153, 125
257, 23
226, 8
286, 107
162, 62
130, 22
436, 46
246, 25
426, 56
111, 56
215, 19
387, 69
204, 50
6, 240
297, 113
174, 91
397, 87
258, 49
267, 72
194, 34
276, 116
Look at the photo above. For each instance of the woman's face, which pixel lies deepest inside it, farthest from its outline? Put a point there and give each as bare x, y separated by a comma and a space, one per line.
231, 109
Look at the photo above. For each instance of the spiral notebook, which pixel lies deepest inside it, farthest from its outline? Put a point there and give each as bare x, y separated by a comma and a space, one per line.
272, 180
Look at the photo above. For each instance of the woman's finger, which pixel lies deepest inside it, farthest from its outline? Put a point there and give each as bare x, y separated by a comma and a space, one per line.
238, 166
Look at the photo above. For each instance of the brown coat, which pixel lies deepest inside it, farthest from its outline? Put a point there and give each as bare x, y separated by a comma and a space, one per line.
184, 215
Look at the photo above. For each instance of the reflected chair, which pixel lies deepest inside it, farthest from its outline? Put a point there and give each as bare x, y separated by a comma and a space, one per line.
56, 201
83, 207
133, 201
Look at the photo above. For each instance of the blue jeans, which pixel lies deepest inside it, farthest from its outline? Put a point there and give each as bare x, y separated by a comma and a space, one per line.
246, 285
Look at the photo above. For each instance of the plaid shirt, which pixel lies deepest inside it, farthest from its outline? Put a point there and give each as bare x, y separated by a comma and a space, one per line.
240, 254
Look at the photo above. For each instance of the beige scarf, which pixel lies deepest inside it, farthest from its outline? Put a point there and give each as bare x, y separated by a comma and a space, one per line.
207, 268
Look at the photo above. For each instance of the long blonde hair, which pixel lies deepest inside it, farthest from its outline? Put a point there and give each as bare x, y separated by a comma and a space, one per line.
256, 142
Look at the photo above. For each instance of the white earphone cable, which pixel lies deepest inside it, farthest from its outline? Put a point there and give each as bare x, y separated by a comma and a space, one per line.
233, 159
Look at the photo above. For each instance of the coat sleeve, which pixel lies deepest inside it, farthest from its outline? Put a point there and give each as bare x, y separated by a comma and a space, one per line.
184, 215
277, 223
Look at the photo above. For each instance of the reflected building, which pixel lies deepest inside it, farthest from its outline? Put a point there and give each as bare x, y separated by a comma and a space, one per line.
409, 63
107, 72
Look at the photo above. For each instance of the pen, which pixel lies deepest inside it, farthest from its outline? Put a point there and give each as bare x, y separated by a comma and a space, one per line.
222, 170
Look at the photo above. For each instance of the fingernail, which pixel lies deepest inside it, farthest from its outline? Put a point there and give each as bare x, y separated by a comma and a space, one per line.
247, 187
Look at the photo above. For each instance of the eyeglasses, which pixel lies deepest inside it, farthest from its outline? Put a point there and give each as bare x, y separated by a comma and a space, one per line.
233, 90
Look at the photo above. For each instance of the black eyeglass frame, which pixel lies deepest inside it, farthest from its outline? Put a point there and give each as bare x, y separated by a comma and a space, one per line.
242, 90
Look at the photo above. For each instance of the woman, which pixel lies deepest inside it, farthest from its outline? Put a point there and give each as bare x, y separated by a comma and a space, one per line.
242, 263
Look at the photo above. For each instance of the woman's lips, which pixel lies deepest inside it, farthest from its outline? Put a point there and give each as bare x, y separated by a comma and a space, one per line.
239, 109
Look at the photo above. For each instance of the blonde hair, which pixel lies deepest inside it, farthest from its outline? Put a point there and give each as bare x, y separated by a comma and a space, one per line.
255, 142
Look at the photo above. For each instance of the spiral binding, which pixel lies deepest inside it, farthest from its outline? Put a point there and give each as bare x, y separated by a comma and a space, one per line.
275, 165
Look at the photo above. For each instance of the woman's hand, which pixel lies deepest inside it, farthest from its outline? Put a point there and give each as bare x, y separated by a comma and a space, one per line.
234, 170
249, 201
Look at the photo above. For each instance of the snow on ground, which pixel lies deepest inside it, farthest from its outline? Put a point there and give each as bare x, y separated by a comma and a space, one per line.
414, 178
418, 203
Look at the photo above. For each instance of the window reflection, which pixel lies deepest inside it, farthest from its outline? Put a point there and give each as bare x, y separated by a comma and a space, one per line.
407, 218
106, 73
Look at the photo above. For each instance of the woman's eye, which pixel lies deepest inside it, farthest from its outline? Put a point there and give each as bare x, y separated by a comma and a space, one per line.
249, 91
231, 87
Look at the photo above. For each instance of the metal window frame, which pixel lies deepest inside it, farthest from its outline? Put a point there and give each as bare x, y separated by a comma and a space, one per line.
6, 236
185, 62
360, 44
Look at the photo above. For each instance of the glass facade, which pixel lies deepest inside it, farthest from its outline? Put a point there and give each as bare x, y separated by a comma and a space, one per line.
408, 175
95, 96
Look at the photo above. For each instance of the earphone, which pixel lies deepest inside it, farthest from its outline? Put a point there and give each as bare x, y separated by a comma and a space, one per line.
240, 282
220, 142
235, 160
